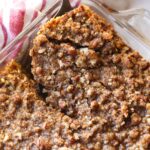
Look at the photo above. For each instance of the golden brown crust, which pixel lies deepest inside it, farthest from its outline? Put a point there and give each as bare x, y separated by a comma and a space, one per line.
93, 77
25, 120
80, 26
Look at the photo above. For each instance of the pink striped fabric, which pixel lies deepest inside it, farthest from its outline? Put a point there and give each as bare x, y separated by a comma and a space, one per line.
16, 14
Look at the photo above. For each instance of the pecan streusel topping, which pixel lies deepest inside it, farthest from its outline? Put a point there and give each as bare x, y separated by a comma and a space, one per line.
92, 76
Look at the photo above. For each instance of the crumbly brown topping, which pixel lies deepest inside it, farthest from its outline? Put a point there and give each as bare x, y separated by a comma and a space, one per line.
26, 123
91, 75
80, 26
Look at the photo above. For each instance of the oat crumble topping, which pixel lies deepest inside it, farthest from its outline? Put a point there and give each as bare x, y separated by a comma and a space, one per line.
92, 76
97, 90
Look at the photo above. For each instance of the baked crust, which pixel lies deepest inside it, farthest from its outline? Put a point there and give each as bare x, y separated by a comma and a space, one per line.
104, 85
25, 120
